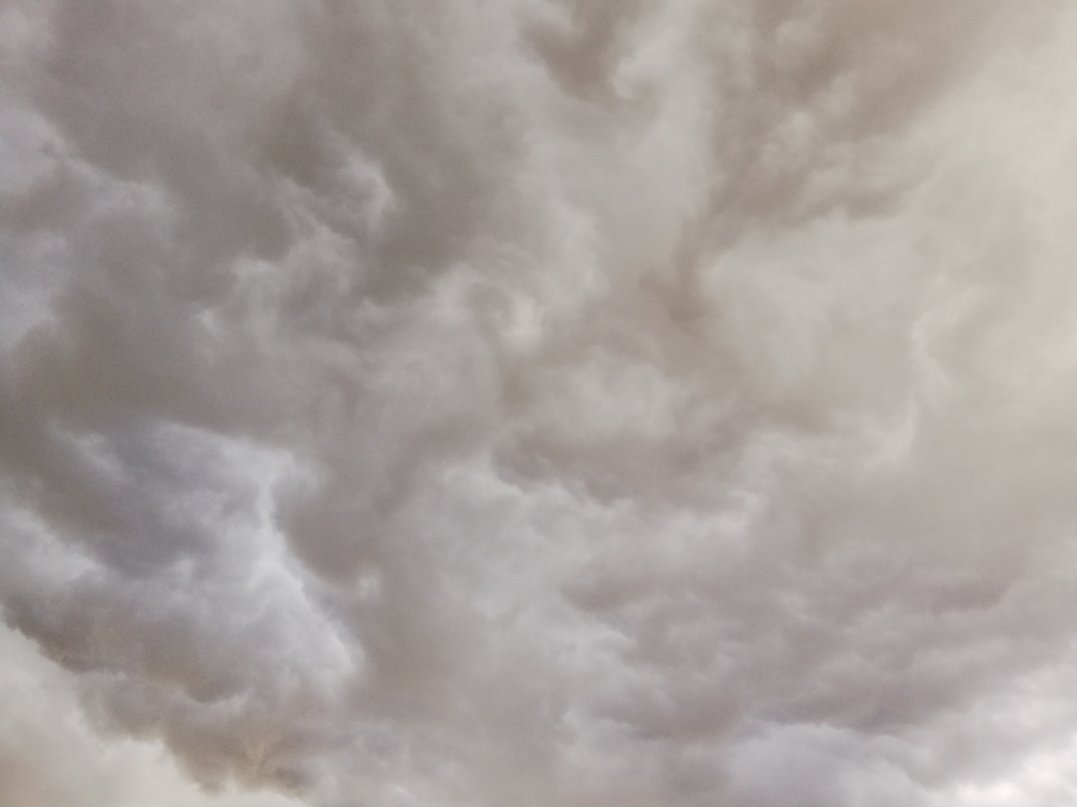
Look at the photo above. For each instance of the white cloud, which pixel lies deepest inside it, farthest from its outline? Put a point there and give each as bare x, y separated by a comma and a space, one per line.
573, 403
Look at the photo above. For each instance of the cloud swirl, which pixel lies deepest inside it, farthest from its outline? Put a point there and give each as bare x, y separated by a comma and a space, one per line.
544, 402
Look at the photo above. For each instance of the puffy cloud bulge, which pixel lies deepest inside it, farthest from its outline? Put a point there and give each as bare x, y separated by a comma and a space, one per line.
541, 402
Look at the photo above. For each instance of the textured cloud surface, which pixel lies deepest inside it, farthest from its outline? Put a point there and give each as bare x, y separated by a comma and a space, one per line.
553, 403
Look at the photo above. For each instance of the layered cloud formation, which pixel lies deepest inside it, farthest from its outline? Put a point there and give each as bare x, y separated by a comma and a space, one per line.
546, 402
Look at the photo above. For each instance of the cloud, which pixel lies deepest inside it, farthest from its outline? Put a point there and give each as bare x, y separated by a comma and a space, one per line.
539, 402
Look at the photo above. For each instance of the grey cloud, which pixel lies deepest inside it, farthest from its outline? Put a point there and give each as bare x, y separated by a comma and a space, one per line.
536, 403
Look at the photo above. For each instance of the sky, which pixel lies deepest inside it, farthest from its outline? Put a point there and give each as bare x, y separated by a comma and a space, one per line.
538, 403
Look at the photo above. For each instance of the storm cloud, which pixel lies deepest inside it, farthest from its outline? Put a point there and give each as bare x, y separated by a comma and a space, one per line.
567, 403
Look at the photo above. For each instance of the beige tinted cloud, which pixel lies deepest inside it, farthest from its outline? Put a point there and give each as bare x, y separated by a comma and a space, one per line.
548, 403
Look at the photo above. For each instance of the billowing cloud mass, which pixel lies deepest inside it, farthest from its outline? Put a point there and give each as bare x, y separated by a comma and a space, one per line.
567, 403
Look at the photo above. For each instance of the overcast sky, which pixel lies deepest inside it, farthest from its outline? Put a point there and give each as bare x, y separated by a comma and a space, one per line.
538, 403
